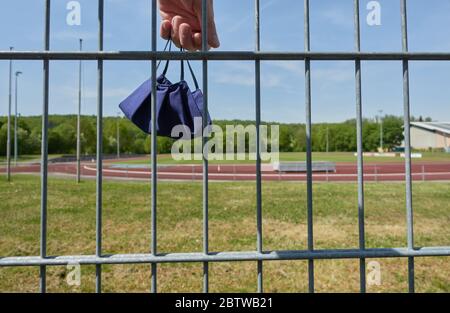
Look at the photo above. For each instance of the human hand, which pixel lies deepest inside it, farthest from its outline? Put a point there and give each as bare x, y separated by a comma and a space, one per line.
182, 22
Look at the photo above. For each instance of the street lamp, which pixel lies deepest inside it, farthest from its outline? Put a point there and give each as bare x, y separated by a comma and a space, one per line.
18, 73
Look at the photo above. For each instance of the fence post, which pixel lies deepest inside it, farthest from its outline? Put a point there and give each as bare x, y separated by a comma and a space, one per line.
407, 124
309, 190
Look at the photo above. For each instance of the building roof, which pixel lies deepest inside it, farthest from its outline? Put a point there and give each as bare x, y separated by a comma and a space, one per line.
433, 126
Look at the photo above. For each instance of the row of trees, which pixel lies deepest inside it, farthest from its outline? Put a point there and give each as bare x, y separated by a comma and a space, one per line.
342, 136
62, 135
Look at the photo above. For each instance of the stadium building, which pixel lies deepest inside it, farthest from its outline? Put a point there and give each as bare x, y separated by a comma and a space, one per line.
430, 135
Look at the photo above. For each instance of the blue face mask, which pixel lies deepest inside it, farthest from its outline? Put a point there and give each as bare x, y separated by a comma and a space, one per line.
176, 105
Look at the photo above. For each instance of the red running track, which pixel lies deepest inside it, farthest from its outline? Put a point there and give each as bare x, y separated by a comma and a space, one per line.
344, 172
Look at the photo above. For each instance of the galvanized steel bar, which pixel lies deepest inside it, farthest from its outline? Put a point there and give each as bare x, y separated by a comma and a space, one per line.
407, 123
284, 255
259, 240
309, 178
99, 185
16, 88
79, 117
44, 151
8, 136
359, 143
205, 47
154, 155
224, 56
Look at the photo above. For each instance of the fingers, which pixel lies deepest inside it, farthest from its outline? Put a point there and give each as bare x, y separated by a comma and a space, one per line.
186, 39
166, 29
182, 33
213, 41
185, 30
198, 40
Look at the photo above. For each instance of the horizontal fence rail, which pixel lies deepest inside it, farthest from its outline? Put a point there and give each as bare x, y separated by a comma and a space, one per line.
224, 56
227, 256
153, 258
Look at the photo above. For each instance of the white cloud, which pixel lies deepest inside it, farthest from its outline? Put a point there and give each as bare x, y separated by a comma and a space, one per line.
337, 17
243, 74
293, 67
91, 93
237, 26
332, 75
336, 73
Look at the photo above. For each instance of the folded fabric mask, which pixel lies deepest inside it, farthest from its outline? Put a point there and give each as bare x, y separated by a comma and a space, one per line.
176, 105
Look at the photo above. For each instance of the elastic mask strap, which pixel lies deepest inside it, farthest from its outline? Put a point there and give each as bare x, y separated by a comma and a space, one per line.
165, 49
193, 75
182, 67
166, 67
190, 70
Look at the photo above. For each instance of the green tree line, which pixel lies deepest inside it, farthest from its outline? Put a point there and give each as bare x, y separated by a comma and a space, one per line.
62, 135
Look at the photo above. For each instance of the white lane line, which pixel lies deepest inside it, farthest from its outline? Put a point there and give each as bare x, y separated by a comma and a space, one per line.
264, 175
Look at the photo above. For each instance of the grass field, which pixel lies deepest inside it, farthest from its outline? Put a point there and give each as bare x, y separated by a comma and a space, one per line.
126, 220
341, 157
27, 158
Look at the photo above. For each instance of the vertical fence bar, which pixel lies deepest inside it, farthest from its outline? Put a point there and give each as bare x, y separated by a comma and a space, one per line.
98, 267
259, 240
407, 123
44, 151
359, 139
309, 147
154, 154
16, 87
79, 118
8, 138
204, 141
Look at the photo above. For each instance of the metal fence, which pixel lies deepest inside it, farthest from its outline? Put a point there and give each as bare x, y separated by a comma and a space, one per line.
259, 255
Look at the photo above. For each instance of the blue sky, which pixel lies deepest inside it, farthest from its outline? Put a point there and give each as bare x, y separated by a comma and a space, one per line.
127, 27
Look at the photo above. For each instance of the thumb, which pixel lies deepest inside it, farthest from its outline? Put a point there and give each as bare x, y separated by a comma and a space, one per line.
213, 38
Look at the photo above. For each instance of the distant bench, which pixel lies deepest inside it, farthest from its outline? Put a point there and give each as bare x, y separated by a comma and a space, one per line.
301, 167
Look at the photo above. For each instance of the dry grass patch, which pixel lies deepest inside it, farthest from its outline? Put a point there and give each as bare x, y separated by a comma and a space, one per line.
232, 226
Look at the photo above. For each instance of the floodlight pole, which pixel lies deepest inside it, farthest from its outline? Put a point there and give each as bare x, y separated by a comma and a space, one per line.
328, 140
381, 129
8, 140
15, 120
118, 135
79, 118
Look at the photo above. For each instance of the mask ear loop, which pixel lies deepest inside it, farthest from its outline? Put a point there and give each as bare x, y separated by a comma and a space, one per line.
182, 67
169, 41
190, 70
193, 75
166, 67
